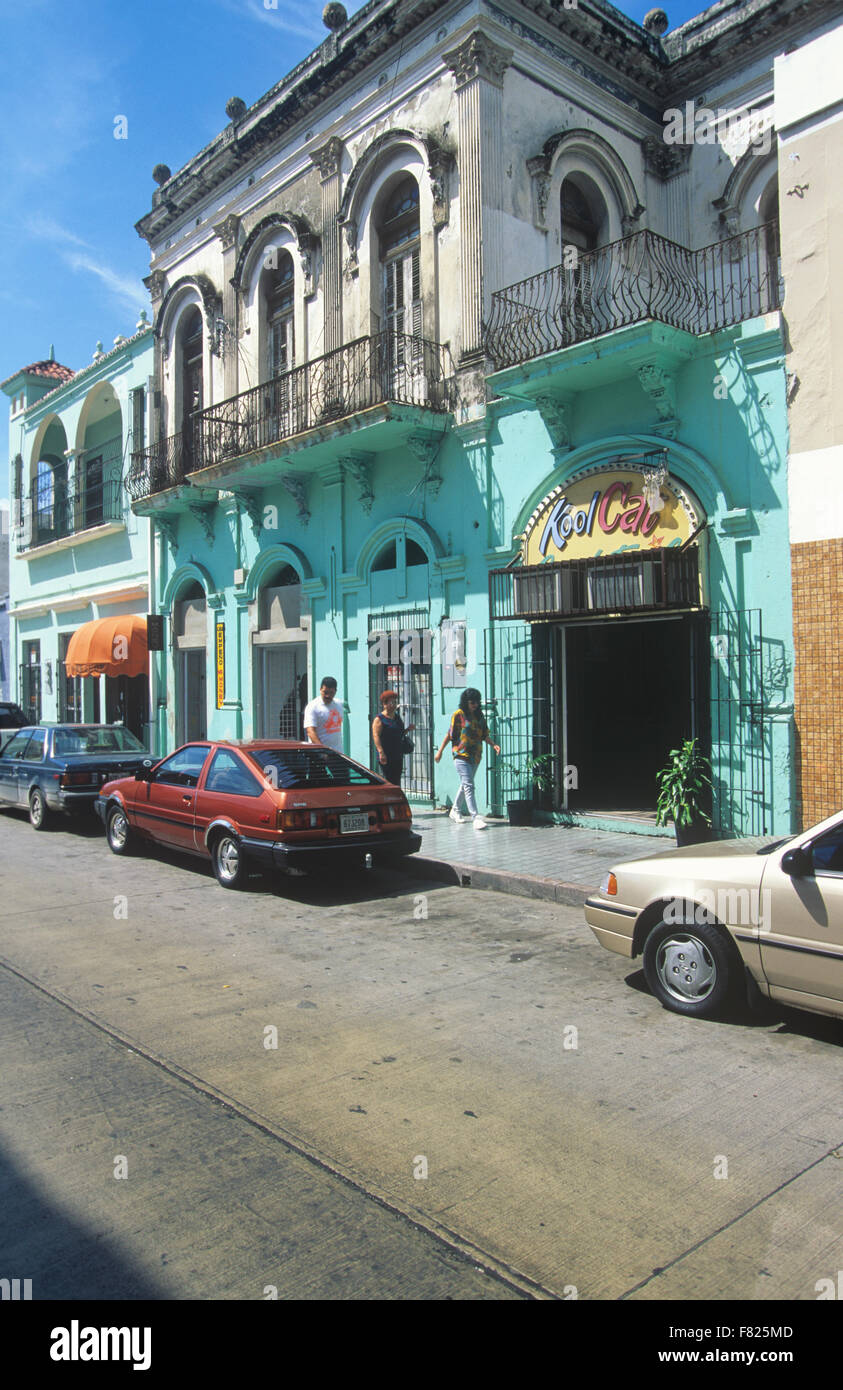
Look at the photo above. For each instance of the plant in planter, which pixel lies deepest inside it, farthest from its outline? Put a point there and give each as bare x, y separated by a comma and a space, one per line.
527, 777
683, 783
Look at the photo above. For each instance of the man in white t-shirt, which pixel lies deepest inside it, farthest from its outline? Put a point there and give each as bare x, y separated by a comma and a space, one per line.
323, 717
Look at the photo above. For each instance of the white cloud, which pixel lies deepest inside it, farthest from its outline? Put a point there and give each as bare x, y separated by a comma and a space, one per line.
125, 289
286, 17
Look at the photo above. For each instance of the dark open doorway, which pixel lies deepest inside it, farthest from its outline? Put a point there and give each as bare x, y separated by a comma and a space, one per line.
628, 701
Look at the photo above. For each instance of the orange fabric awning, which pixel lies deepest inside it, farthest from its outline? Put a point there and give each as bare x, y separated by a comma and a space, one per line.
109, 647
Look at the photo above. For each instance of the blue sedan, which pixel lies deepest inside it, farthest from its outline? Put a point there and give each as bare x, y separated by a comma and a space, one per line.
61, 767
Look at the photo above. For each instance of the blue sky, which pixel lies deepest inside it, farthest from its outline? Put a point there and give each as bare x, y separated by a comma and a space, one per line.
71, 192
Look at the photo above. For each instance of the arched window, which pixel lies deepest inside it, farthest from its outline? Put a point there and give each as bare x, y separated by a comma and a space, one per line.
191, 378
415, 554
386, 559
277, 298
583, 213
400, 253
49, 500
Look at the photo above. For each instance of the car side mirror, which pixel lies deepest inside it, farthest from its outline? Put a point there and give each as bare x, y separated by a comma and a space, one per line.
797, 863
144, 772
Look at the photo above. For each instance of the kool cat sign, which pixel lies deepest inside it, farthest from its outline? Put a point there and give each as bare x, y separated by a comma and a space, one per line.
604, 512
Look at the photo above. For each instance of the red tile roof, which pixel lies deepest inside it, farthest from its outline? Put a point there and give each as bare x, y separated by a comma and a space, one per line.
50, 369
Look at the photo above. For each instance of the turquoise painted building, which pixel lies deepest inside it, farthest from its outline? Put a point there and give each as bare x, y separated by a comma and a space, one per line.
79, 554
377, 451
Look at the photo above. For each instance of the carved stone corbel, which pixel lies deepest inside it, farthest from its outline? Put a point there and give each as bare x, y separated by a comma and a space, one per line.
439, 163
359, 467
556, 417
203, 513
539, 170
426, 449
251, 503
660, 386
349, 228
295, 484
168, 526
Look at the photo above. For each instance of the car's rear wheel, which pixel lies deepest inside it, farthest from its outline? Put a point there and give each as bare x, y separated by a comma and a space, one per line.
117, 831
693, 972
38, 813
227, 860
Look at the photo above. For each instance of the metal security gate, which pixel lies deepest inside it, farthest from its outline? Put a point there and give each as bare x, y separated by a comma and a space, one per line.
739, 736
401, 658
516, 685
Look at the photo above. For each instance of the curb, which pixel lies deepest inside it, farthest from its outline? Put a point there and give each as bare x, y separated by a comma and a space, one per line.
497, 880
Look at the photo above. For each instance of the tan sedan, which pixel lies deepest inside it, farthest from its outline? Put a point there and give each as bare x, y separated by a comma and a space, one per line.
706, 917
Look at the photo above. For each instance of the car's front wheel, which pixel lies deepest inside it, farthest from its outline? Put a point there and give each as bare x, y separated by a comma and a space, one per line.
227, 860
117, 831
693, 972
38, 813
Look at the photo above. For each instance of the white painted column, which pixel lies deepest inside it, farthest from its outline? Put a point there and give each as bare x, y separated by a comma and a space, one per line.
479, 65
328, 160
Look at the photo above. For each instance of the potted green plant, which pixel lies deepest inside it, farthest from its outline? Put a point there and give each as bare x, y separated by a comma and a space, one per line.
683, 784
526, 777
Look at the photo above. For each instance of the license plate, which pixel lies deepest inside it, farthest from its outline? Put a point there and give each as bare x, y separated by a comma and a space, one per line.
353, 825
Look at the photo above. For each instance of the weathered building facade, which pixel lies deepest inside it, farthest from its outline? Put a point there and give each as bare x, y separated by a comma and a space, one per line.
458, 277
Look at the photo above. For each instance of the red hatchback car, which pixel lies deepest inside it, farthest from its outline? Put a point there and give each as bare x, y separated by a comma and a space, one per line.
270, 802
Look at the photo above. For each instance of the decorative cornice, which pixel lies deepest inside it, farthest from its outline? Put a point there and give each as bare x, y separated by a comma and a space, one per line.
478, 57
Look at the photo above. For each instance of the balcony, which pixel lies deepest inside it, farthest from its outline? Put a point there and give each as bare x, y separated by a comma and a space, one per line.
648, 581
642, 277
56, 511
384, 370
158, 467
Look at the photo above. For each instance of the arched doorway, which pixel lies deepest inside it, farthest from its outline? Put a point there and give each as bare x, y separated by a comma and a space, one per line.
280, 658
190, 660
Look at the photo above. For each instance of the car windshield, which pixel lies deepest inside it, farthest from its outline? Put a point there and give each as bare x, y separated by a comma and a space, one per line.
95, 739
310, 767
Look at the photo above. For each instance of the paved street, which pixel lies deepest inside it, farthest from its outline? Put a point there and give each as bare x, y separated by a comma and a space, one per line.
569, 1129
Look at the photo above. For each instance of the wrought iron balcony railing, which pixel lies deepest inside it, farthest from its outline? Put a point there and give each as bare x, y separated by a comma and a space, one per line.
159, 466
649, 579
56, 508
387, 367
643, 276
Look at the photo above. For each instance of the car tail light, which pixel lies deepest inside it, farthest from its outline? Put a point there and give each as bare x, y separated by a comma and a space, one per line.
609, 885
395, 811
77, 779
302, 820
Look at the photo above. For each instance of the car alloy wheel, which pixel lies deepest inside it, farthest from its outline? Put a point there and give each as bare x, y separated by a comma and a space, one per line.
691, 972
117, 830
227, 859
37, 809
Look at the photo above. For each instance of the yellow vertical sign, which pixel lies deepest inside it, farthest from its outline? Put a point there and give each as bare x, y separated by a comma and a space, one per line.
220, 665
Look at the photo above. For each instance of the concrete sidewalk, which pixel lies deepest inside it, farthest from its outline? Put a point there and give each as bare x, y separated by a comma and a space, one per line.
560, 863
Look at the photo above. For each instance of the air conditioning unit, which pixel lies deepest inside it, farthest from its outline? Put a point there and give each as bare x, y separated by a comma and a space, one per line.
625, 586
